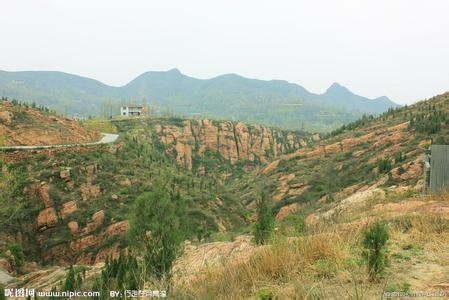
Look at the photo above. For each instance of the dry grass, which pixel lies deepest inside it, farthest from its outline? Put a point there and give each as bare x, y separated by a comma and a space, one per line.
326, 262
285, 261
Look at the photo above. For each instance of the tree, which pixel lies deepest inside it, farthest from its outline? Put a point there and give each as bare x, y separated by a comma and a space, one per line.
155, 231
18, 258
264, 226
374, 241
70, 281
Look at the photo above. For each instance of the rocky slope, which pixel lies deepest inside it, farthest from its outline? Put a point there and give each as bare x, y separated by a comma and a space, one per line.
368, 169
22, 124
324, 253
383, 151
233, 141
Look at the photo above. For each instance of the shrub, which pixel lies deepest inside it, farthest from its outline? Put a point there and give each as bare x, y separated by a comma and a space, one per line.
374, 241
41, 157
384, 165
264, 295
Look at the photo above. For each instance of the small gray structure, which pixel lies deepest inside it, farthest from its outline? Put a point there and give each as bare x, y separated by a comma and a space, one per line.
439, 169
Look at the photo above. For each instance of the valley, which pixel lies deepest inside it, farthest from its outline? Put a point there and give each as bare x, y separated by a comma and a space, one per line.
78, 206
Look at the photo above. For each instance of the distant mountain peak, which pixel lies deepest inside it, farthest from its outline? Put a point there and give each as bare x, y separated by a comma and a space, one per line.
336, 87
383, 98
174, 71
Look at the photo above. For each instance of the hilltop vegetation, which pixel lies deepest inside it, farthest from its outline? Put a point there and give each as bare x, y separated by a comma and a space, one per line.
230, 97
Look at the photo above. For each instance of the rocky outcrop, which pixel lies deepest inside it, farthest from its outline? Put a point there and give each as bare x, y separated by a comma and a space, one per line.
6, 117
231, 140
47, 218
67, 209
18, 127
89, 190
73, 227
195, 258
287, 210
117, 228
43, 194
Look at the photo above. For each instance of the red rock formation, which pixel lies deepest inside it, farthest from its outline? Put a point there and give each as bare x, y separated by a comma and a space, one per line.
47, 218
68, 208
43, 194
233, 141
287, 210
73, 227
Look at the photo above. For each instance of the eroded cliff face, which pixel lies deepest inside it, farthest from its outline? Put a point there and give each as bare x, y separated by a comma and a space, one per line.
233, 141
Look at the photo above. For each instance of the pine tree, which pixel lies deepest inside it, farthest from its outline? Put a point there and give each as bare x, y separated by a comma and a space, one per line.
264, 226
155, 230
374, 242
70, 281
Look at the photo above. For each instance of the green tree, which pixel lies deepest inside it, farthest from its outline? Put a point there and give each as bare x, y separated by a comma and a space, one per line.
18, 257
70, 281
155, 231
264, 226
2, 293
374, 242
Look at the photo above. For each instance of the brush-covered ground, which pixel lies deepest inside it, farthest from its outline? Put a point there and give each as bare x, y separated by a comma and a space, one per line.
311, 259
323, 191
323, 259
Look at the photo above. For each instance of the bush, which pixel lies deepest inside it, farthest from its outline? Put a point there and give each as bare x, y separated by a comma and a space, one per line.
384, 165
374, 242
264, 295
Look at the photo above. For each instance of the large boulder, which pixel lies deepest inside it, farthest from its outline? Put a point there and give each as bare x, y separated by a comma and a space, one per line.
43, 194
6, 117
67, 209
47, 218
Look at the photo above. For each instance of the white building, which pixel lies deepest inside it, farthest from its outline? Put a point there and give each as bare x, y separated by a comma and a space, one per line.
132, 110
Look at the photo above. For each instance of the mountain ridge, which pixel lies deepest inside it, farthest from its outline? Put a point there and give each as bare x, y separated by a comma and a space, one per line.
227, 96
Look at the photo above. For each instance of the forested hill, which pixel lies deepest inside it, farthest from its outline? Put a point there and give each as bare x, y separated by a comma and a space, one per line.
274, 103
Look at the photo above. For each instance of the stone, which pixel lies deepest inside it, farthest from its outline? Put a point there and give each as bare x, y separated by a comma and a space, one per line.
73, 227
98, 217
68, 208
90, 169
126, 182
5, 265
65, 174
287, 210
43, 194
83, 243
47, 218
70, 184
271, 167
89, 190
118, 228
6, 117
30, 267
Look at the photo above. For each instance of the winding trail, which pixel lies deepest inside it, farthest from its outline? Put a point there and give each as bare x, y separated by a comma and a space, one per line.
108, 138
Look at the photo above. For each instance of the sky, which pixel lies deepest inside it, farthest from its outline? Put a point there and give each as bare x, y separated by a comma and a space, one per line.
397, 48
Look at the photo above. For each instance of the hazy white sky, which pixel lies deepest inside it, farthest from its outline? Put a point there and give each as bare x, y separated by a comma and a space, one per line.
398, 48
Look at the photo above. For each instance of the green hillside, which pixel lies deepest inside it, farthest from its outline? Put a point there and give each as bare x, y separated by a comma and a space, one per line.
232, 97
